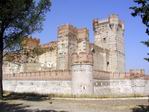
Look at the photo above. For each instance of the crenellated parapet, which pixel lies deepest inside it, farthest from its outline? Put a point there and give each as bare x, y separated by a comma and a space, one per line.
51, 45
65, 29
112, 20
30, 42
81, 34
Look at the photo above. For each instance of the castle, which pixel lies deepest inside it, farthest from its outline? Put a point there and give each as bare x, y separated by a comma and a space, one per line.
107, 51
78, 66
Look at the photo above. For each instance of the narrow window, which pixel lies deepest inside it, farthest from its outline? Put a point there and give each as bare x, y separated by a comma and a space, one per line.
104, 39
107, 63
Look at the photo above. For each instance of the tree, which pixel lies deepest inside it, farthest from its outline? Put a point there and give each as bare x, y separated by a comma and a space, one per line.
19, 18
142, 10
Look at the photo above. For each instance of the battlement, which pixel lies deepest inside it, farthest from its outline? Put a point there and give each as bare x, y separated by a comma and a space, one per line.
137, 71
67, 28
83, 33
40, 75
82, 58
66, 75
50, 45
30, 42
30, 38
113, 19
100, 21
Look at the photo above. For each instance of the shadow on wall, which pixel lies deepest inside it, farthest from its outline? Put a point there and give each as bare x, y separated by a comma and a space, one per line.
141, 108
5, 107
27, 96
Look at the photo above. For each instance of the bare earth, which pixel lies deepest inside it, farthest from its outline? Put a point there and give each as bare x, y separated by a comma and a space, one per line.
75, 105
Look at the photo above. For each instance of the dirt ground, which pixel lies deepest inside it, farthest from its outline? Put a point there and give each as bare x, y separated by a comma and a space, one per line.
74, 105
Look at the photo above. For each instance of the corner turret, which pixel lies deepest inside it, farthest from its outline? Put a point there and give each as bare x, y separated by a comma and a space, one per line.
82, 73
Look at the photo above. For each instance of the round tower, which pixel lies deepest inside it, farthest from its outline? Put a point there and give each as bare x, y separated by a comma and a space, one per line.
82, 70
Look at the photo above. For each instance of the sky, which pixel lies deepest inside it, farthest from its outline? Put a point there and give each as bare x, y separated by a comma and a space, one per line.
80, 13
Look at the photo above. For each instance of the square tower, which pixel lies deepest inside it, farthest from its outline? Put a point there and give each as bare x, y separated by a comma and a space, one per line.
66, 45
109, 34
70, 40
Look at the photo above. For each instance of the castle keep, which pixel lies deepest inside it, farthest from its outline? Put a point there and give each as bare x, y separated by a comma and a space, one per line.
73, 65
109, 34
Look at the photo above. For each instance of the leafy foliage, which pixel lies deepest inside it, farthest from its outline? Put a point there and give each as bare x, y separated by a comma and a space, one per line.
18, 19
142, 10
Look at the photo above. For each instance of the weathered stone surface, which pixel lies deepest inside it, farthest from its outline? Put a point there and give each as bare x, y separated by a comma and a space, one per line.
101, 87
82, 79
75, 66
109, 34
42, 87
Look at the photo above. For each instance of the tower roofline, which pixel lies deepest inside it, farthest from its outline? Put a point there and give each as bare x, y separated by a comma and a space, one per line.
105, 20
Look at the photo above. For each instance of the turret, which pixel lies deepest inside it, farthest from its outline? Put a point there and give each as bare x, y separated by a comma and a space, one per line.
82, 77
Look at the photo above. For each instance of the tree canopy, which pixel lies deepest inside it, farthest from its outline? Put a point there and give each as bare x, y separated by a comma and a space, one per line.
142, 10
19, 18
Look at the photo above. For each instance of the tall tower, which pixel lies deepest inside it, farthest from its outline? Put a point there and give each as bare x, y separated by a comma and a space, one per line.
109, 34
67, 44
70, 40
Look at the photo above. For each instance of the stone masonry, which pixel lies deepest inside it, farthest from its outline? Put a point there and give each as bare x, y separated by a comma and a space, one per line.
73, 65
109, 34
107, 49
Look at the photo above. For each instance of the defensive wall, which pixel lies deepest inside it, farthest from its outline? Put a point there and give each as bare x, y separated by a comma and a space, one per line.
60, 82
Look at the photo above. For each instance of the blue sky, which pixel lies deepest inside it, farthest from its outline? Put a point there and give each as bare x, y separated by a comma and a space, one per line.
80, 13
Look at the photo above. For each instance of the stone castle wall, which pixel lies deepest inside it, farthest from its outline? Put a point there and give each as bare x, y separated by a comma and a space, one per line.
121, 87
107, 88
60, 82
79, 67
38, 86
48, 60
67, 75
43, 75
100, 58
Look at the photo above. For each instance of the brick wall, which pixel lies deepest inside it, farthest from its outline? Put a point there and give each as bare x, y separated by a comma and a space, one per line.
44, 75
104, 75
66, 75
